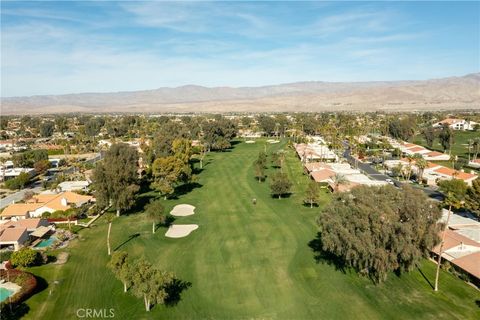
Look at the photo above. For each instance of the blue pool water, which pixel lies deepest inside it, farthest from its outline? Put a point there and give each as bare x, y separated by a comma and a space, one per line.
46, 243
4, 293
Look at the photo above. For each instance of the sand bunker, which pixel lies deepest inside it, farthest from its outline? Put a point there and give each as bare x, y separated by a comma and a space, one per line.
272, 141
180, 230
183, 210
250, 141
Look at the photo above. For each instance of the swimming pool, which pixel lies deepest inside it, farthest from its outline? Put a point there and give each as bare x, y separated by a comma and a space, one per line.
5, 293
46, 243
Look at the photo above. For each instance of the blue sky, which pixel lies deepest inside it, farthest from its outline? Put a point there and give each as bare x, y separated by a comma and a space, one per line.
101, 46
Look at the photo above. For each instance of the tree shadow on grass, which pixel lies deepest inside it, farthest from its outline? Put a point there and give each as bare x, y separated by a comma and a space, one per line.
322, 256
14, 312
425, 277
42, 284
234, 143
284, 196
165, 224
145, 186
307, 205
185, 188
130, 238
140, 204
174, 291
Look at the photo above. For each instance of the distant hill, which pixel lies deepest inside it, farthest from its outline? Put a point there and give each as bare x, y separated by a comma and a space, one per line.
436, 94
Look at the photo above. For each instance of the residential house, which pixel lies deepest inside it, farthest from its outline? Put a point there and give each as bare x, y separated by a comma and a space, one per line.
73, 186
462, 243
41, 203
15, 237
456, 124
16, 233
6, 174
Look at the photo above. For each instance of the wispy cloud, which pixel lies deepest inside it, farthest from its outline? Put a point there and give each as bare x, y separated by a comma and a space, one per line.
139, 45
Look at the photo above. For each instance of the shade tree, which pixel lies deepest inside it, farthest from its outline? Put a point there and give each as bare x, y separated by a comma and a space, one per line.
116, 178
312, 194
376, 230
150, 284
154, 212
168, 172
121, 267
280, 185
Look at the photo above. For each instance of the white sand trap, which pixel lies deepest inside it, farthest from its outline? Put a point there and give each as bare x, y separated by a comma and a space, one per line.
180, 230
183, 210
250, 141
274, 141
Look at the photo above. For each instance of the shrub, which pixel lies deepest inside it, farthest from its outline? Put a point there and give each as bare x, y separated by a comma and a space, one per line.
25, 257
46, 215
19, 182
5, 255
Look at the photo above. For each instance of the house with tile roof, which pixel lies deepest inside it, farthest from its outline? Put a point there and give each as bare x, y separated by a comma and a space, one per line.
456, 124
15, 237
16, 233
41, 203
436, 156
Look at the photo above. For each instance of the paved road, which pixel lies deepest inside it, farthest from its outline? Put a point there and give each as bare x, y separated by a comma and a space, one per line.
18, 196
37, 187
374, 174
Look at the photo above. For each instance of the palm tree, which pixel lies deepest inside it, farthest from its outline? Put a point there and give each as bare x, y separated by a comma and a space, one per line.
470, 142
453, 159
421, 165
410, 159
476, 148
203, 152
450, 201
109, 217
339, 179
69, 214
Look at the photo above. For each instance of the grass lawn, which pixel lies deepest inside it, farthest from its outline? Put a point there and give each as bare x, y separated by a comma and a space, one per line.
244, 262
459, 147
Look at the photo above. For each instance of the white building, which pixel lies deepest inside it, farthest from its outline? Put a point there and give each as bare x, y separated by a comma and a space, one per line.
73, 185
6, 174
456, 124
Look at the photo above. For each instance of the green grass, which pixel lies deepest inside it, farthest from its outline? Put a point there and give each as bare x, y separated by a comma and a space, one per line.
459, 147
244, 262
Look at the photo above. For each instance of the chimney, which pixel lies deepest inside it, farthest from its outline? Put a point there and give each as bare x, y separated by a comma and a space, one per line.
63, 201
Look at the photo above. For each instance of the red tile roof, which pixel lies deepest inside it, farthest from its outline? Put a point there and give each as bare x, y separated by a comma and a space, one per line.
434, 154
12, 234
322, 175
470, 263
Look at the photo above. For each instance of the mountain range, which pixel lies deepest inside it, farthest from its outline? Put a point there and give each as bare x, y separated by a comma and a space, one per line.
420, 95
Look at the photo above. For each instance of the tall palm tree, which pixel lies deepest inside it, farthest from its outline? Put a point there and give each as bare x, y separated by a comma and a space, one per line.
476, 148
470, 142
450, 201
109, 217
421, 165
410, 159
453, 159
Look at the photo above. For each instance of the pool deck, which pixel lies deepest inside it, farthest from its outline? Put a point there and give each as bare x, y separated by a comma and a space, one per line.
11, 286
